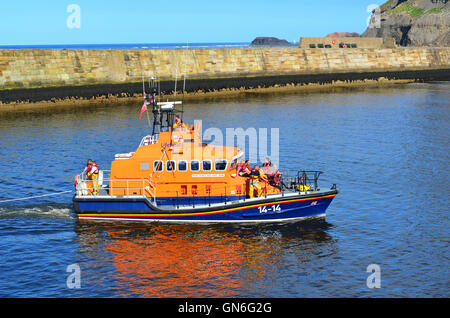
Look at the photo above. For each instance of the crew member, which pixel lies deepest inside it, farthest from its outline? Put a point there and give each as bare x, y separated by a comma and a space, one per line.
256, 178
87, 168
239, 167
93, 175
276, 180
178, 124
245, 169
267, 162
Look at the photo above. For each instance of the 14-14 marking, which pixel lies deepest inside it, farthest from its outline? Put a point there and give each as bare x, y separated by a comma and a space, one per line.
271, 208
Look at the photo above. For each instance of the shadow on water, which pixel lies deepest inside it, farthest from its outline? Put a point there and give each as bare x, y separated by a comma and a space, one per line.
177, 260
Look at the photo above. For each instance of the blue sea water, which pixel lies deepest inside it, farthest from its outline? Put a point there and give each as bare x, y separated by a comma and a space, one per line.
386, 148
132, 46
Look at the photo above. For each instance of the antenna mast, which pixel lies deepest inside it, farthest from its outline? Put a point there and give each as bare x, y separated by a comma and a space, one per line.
184, 80
176, 78
145, 99
143, 85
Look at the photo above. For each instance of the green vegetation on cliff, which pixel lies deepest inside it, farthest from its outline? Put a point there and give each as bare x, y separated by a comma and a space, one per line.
411, 10
408, 8
436, 10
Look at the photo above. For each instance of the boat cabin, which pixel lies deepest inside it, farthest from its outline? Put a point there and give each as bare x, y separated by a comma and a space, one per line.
175, 167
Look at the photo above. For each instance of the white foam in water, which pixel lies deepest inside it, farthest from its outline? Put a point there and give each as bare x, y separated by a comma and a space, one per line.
37, 211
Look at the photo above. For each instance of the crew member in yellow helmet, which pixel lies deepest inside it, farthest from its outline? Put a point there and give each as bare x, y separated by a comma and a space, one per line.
256, 178
178, 124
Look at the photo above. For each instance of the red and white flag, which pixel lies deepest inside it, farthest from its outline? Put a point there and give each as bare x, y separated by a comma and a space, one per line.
143, 109
148, 101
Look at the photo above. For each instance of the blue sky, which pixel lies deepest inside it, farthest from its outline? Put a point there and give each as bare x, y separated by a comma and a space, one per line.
35, 22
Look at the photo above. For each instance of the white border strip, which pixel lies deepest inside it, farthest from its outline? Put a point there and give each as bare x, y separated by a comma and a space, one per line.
205, 221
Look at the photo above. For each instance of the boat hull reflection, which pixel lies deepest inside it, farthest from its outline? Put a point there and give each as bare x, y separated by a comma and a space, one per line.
159, 260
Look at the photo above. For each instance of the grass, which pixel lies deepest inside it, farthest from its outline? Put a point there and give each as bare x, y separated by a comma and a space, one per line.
436, 10
409, 9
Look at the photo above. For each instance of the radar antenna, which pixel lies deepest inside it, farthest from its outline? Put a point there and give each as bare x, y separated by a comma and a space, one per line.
163, 112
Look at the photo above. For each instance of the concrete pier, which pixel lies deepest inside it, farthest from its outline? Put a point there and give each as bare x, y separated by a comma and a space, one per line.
34, 75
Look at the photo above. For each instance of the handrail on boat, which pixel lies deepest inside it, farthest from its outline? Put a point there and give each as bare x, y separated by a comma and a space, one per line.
308, 178
149, 140
146, 186
301, 180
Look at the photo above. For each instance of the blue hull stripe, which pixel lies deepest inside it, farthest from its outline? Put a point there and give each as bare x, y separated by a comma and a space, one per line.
262, 211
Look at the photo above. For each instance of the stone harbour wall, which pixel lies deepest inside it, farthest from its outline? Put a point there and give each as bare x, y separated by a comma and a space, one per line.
31, 68
362, 43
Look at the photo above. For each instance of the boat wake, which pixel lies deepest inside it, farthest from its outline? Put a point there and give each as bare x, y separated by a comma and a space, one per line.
56, 211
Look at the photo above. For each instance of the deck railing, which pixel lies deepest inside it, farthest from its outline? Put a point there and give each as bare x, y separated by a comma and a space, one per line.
301, 180
124, 186
149, 140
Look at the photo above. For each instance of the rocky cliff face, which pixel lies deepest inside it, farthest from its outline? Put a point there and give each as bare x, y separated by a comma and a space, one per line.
412, 22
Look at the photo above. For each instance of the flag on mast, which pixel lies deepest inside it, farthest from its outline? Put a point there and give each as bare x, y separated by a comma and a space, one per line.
143, 109
148, 101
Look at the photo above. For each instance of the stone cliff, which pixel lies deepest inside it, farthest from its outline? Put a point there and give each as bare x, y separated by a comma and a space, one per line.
412, 22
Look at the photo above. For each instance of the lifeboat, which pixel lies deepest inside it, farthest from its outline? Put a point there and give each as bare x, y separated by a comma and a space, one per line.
173, 176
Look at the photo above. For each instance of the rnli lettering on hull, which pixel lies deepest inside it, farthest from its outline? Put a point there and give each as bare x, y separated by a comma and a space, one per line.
216, 175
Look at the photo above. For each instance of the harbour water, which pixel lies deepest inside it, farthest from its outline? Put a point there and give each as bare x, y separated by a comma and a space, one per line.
386, 148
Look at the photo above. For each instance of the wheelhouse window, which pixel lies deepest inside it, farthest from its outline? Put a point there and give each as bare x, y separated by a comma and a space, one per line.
206, 165
158, 165
195, 165
220, 165
170, 165
182, 165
